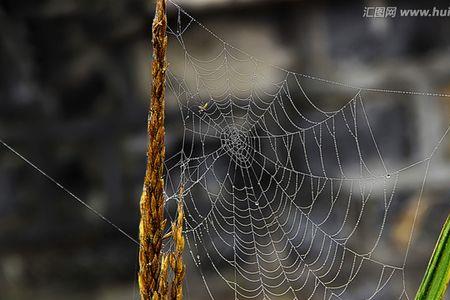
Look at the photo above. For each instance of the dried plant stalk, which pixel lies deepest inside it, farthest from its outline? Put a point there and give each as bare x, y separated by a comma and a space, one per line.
176, 258
153, 223
162, 283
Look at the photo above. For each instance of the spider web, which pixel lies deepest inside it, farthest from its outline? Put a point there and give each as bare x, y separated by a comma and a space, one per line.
284, 198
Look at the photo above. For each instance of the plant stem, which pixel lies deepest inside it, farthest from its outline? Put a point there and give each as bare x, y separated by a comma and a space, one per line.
152, 222
437, 276
176, 258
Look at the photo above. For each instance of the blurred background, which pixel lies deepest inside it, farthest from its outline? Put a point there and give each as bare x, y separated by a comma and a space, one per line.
74, 91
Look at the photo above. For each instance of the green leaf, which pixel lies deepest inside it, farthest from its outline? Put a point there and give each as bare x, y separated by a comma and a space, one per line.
437, 276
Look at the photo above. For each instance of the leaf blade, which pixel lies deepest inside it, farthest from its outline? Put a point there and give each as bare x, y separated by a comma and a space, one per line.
437, 275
